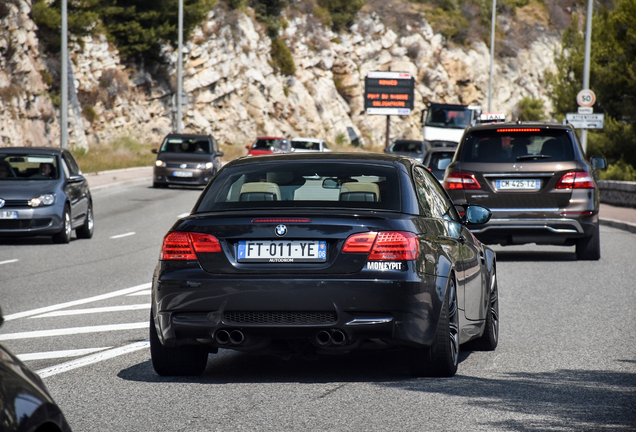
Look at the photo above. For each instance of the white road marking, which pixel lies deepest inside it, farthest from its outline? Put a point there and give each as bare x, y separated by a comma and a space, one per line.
94, 310
140, 293
73, 330
59, 354
42, 310
8, 261
123, 235
94, 358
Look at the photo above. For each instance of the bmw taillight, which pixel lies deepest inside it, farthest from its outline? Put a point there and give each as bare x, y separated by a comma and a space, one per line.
575, 180
185, 245
384, 245
461, 181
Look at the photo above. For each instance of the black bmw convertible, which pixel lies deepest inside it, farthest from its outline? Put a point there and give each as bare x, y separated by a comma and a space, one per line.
324, 253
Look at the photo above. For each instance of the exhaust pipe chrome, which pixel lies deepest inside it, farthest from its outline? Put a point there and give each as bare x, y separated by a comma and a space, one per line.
237, 337
323, 338
338, 337
222, 337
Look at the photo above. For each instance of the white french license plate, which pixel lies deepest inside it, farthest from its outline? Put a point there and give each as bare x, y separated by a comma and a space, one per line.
182, 174
8, 214
282, 251
519, 184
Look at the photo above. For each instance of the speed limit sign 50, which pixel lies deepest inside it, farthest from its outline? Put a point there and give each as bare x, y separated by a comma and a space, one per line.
586, 98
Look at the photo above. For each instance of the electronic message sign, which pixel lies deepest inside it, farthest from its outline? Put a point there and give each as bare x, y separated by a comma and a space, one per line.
389, 93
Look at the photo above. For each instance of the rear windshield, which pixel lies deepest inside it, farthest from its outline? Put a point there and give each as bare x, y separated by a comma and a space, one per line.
28, 167
305, 145
513, 145
302, 184
407, 146
186, 145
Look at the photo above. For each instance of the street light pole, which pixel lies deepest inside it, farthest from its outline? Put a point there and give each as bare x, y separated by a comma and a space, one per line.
180, 67
586, 62
492, 53
64, 79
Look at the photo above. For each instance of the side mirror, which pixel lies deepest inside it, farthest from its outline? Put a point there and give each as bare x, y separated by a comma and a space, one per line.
247, 147
599, 163
477, 214
154, 151
442, 164
219, 154
386, 150
75, 178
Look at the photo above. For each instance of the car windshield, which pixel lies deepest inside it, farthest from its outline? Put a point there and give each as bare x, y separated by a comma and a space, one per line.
266, 143
186, 145
28, 166
305, 145
407, 146
302, 183
448, 118
517, 144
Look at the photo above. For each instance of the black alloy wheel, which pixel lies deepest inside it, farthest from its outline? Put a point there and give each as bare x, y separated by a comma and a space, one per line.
178, 361
489, 340
442, 358
64, 236
86, 230
589, 248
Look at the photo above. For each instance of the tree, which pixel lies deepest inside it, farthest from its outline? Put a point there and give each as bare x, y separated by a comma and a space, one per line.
612, 78
81, 18
530, 109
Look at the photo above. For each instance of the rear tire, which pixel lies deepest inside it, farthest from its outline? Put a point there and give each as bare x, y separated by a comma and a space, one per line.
178, 361
589, 248
441, 359
64, 236
86, 230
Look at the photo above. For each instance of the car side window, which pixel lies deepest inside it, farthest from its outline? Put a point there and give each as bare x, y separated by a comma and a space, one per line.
70, 162
66, 169
432, 197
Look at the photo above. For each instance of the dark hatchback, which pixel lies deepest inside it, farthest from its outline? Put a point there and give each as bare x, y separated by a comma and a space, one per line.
25, 403
323, 253
43, 193
536, 180
186, 160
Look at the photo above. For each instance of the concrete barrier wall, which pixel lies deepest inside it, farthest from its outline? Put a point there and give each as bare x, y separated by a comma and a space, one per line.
618, 193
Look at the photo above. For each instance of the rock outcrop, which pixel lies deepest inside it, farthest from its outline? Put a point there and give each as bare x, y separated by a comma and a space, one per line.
234, 92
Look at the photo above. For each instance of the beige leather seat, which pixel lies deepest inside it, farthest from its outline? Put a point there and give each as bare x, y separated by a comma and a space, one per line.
360, 191
259, 191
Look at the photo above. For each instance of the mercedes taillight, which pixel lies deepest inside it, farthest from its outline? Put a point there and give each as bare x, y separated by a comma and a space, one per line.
465, 181
575, 180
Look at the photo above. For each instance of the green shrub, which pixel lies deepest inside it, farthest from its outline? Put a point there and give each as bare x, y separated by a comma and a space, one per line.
530, 109
281, 57
343, 12
620, 171
90, 113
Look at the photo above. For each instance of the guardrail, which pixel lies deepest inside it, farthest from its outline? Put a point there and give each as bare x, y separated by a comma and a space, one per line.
618, 193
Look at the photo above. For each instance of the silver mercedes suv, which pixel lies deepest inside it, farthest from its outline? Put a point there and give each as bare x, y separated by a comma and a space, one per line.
535, 179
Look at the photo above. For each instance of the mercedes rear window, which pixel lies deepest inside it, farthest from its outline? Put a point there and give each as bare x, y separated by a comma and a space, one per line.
517, 144
301, 184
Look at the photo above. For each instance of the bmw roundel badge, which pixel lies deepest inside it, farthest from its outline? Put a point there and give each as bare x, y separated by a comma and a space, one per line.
281, 230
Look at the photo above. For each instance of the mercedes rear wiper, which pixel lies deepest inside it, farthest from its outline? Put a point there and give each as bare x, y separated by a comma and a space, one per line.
530, 157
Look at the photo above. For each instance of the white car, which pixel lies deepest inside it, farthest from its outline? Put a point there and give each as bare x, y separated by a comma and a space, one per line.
309, 145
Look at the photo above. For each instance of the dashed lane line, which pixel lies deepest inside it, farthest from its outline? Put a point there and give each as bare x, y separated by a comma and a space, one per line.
59, 354
93, 310
94, 358
8, 261
123, 235
46, 309
73, 331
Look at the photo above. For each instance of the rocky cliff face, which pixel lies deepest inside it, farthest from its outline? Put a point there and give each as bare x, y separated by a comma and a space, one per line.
235, 94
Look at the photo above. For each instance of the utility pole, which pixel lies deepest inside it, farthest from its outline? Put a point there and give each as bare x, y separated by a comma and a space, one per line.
492, 53
586, 62
180, 68
64, 78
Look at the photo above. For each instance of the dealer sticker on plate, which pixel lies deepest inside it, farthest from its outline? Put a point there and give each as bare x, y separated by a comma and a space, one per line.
519, 184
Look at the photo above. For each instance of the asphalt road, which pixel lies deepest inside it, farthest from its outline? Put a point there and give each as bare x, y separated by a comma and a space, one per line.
566, 359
